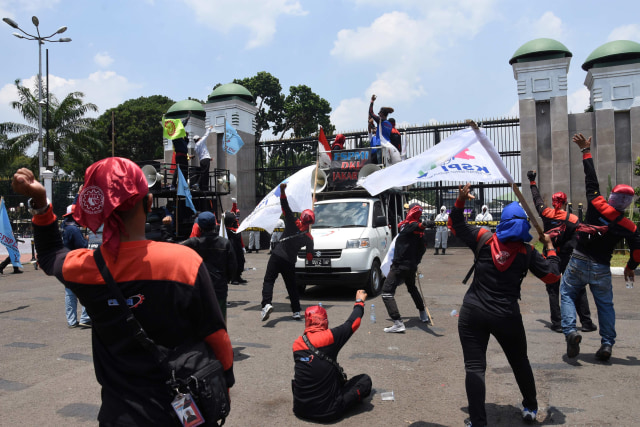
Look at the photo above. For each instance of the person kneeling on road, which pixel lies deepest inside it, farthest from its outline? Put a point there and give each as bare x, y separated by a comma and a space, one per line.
409, 248
321, 391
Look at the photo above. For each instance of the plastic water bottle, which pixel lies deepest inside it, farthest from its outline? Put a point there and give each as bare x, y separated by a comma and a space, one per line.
454, 313
319, 304
373, 313
629, 282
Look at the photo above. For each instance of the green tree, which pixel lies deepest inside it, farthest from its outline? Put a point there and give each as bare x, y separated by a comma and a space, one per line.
304, 111
269, 99
66, 127
138, 131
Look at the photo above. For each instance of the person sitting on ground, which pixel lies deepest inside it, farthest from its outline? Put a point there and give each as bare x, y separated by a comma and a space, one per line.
564, 242
410, 246
490, 306
283, 257
218, 255
320, 389
168, 285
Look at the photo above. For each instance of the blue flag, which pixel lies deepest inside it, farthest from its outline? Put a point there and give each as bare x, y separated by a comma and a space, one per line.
183, 190
232, 141
6, 236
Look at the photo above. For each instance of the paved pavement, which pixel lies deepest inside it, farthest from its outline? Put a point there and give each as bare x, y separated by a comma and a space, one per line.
46, 371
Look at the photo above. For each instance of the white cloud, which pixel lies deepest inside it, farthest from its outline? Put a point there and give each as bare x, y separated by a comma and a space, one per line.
402, 46
258, 17
578, 101
350, 115
625, 32
106, 89
547, 26
103, 59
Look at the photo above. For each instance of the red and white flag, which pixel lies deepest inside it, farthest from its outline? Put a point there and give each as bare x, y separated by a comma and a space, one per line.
324, 150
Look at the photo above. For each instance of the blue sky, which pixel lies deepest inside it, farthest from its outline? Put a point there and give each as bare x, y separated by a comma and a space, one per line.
431, 60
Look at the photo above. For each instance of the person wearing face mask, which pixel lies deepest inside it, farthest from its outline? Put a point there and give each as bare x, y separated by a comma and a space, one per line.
590, 260
490, 306
442, 231
410, 246
283, 257
484, 215
320, 390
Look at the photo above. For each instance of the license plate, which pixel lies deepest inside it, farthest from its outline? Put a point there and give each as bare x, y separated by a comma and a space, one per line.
318, 262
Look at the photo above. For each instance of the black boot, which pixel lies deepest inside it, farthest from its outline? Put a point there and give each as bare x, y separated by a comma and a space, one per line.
436, 253
4, 263
17, 270
444, 250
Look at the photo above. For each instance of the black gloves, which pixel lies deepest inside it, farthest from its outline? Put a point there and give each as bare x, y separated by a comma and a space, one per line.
531, 175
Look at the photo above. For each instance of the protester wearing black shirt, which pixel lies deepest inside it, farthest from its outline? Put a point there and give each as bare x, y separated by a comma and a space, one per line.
320, 392
490, 306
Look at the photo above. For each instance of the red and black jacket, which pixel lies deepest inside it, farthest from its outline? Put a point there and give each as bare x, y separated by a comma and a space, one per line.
170, 293
599, 213
317, 383
292, 238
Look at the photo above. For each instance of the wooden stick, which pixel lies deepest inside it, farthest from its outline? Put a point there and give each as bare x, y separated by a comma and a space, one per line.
423, 301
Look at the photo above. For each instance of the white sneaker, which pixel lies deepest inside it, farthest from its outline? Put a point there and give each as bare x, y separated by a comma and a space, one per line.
424, 317
266, 311
397, 326
296, 315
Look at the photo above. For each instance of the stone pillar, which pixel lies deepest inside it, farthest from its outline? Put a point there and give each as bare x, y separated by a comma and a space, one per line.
634, 113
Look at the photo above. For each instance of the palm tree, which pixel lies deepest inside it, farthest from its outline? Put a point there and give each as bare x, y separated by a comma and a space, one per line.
69, 132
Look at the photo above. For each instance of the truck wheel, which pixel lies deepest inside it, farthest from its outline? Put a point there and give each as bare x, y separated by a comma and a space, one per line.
374, 285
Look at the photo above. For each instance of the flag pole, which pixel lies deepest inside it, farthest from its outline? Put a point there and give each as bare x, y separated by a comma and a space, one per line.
113, 134
518, 193
315, 182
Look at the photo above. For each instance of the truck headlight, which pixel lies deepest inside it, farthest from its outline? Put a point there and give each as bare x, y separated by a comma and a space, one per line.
357, 243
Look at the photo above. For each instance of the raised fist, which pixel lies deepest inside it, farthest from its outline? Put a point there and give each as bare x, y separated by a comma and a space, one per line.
531, 175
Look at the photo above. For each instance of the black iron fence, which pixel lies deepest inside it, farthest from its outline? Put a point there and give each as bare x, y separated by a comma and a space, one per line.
278, 159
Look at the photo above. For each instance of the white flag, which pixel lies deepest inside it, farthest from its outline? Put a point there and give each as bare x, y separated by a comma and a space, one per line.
466, 156
268, 211
392, 153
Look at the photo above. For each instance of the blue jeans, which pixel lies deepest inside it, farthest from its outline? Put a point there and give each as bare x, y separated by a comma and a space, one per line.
578, 274
71, 303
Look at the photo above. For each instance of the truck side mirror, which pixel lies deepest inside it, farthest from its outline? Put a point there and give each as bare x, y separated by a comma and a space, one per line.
380, 221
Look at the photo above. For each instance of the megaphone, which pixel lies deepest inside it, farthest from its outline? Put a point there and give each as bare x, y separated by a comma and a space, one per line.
368, 169
320, 183
150, 174
228, 186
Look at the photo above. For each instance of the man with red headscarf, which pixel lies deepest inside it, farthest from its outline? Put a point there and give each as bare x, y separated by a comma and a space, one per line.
320, 390
283, 257
410, 246
564, 241
174, 302
590, 261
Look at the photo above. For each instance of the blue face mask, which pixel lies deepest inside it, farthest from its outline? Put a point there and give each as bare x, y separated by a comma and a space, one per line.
513, 226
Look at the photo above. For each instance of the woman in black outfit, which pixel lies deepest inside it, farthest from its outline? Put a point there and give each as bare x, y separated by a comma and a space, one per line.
490, 306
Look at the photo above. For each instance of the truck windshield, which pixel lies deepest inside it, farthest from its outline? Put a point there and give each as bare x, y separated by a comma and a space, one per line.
341, 214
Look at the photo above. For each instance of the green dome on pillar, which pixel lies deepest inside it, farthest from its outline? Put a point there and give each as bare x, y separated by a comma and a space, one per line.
181, 109
231, 91
540, 49
617, 52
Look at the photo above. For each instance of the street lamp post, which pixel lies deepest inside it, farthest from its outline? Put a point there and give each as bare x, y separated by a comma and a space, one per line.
41, 40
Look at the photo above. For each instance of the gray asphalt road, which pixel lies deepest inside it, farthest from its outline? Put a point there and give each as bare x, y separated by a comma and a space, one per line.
46, 371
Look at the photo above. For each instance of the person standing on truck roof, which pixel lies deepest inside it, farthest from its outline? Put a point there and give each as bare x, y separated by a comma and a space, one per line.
283, 256
409, 248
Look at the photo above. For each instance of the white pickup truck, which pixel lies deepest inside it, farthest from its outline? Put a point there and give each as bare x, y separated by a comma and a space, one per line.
351, 236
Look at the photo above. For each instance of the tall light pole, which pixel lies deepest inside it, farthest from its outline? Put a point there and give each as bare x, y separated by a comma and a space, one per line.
41, 40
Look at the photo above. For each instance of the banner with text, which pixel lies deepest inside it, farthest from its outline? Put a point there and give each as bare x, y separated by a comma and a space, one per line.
345, 166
